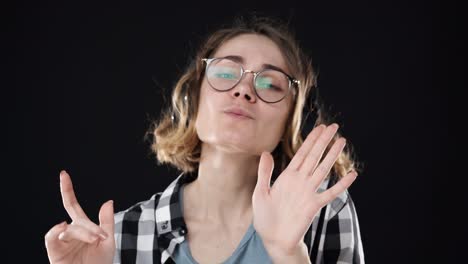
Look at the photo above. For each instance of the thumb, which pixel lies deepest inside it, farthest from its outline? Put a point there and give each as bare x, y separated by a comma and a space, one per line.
106, 217
265, 169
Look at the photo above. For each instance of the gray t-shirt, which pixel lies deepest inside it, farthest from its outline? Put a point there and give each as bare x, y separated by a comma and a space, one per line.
249, 250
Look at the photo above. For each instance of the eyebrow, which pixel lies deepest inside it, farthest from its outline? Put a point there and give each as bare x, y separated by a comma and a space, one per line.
240, 59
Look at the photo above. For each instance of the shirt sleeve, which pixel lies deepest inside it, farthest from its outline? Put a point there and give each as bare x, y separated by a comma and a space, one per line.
118, 217
343, 242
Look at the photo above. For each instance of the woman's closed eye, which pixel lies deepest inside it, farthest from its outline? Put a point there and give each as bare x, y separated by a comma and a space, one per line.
264, 83
226, 75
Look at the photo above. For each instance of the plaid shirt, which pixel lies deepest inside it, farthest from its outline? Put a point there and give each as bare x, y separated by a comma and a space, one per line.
149, 231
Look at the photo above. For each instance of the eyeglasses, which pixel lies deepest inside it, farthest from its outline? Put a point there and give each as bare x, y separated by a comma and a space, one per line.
271, 85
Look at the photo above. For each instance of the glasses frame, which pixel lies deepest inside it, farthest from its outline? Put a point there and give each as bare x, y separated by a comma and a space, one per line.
291, 79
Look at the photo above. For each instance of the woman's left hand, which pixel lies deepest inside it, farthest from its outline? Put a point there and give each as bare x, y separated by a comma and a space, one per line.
283, 214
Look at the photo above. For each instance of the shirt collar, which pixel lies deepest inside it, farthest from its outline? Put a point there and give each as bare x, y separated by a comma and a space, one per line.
170, 224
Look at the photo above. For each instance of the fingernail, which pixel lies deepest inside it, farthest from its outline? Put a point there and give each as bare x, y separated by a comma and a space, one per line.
60, 237
61, 174
103, 236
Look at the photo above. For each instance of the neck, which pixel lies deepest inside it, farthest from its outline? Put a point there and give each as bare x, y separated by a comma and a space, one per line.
222, 192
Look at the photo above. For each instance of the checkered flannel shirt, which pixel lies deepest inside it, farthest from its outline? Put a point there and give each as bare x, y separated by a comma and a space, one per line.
149, 231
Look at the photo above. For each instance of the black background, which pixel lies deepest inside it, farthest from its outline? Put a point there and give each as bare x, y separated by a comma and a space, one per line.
89, 78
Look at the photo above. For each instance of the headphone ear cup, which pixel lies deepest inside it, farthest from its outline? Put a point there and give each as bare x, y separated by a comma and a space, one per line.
309, 113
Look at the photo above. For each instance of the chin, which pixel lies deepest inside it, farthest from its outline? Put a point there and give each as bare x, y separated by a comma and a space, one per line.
233, 144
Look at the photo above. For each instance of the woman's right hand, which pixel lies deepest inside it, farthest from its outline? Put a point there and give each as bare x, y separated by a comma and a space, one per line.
81, 241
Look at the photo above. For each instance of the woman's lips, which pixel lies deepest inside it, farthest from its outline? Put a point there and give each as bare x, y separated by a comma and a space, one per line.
237, 116
238, 110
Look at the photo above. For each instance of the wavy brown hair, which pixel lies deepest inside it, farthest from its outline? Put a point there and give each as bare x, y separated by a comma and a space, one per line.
175, 139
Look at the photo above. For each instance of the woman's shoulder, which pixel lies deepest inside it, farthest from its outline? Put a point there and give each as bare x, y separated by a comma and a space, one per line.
146, 210
143, 210
340, 202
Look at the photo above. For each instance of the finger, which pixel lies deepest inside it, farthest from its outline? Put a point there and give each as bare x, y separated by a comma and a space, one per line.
315, 154
51, 237
70, 202
265, 169
305, 148
77, 232
88, 224
106, 217
343, 184
327, 163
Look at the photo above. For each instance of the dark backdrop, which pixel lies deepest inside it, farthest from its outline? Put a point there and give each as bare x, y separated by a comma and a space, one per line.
88, 80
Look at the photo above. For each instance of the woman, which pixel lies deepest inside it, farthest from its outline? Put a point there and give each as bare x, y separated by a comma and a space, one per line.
237, 113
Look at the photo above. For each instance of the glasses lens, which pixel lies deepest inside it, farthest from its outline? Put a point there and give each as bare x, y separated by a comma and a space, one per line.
272, 85
223, 74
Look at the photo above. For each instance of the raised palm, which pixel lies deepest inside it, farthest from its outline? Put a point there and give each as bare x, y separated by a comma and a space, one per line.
283, 214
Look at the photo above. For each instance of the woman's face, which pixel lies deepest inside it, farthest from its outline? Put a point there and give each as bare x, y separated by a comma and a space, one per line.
264, 130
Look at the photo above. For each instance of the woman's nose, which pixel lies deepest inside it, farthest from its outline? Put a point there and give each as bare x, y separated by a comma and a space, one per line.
245, 87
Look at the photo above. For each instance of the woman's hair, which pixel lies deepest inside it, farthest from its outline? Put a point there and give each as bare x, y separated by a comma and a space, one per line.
175, 140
